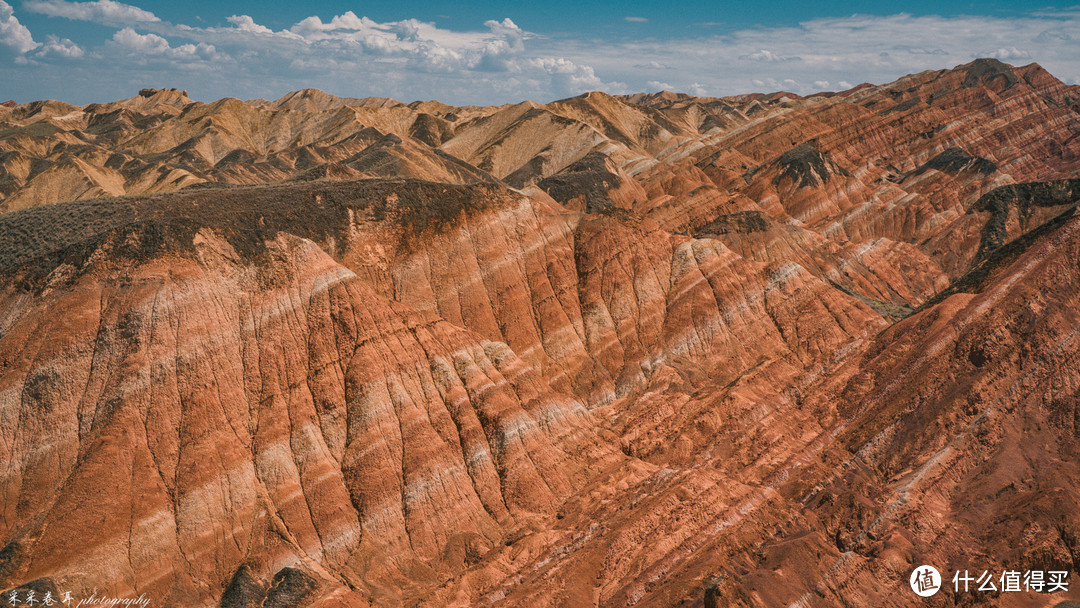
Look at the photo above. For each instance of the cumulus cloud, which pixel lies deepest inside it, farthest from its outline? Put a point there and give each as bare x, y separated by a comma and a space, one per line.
569, 78
696, 88
141, 43
152, 45
500, 52
107, 12
637, 19
313, 28
63, 48
14, 35
245, 23
1009, 54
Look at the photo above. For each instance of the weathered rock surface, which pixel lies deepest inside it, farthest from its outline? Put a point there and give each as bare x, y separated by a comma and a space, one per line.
275, 407
649, 350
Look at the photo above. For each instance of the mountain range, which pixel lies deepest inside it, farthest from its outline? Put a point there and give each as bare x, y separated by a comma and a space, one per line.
637, 350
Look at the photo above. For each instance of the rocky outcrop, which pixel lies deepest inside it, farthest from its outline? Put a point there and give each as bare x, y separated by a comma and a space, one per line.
593, 184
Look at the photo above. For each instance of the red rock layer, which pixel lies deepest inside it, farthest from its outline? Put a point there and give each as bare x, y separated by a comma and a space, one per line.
191, 414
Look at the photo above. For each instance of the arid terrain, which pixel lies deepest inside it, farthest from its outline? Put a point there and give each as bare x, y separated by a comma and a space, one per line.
649, 350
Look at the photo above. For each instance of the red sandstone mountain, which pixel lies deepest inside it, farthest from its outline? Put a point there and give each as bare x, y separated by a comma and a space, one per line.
651, 350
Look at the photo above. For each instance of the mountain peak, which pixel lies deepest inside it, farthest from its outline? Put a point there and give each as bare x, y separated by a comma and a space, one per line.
149, 97
160, 93
986, 71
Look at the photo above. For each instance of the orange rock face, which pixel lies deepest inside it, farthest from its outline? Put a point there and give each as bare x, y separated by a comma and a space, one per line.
650, 350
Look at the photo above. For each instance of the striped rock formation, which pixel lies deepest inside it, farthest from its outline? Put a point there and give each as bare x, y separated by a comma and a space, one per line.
647, 350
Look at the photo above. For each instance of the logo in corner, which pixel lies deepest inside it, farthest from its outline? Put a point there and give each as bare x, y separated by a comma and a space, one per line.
925, 581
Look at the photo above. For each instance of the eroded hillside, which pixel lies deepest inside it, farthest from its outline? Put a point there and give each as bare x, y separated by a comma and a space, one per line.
647, 350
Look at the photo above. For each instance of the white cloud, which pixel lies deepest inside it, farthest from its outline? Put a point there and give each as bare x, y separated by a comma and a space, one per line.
1009, 54
860, 48
500, 61
500, 52
13, 34
442, 63
152, 45
569, 78
766, 56
637, 19
141, 43
60, 47
245, 23
108, 12
506, 28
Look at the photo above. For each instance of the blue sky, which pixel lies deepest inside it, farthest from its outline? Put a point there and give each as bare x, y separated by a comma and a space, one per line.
496, 52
